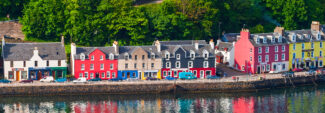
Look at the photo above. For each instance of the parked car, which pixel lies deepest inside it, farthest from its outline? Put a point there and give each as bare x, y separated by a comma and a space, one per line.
95, 79
170, 78
47, 79
80, 80
213, 77
61, 80
26, 81
288, 74
312, 68
311, 72
5, 81
132, 79
151, 78
297, 70
186, 75
116, 79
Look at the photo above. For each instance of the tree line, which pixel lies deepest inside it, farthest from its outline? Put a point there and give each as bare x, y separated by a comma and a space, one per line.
99, 22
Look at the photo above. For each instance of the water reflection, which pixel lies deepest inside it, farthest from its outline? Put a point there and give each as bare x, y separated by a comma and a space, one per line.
306, 99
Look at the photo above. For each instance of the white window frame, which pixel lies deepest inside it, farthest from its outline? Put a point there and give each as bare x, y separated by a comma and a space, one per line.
267, 49
82, 57
81, 75
86, 74
168, 65
312, 54
294, 47
164, 73
268, 67
92, 57
250, 58
276, 57
259, 58
280, 39
108, 74
113, 75
266, 58
101, 57
250, 50
101, 66
91, 75
283, 48
111, 66
192, 54
103, 74
111, 56
190, 64
178, 66
273, 39
82, 66
303, 46
91, 66
167, 55
276, 49
205, 64
178, 56
320, 53
283, 56
259, 49
312, 45
294, 37
126, 56
264, 40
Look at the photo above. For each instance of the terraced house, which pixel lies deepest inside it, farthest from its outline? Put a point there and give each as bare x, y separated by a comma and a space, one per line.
187, 56
139, 62
34, 60
94, 62
306, 47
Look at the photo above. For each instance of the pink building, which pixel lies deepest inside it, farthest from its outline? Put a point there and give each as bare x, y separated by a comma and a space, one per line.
260, 53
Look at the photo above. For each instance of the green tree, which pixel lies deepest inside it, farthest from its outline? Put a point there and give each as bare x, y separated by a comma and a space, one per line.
13, 8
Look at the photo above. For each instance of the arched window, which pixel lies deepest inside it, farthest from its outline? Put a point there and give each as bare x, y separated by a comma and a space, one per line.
167, 55
192, 54
205, 54
82, 56
111, 56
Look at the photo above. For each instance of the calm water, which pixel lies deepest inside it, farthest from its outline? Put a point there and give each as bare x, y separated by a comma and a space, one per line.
303, 99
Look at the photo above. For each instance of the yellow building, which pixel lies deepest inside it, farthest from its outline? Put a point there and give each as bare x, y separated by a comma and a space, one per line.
306, 47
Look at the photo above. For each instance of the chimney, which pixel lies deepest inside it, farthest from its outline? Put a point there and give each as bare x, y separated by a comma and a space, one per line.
244, 34
196, 44
35, 51
157, 44
115, 45
73, 52
279, 30
315, 26
62, 40
211, 43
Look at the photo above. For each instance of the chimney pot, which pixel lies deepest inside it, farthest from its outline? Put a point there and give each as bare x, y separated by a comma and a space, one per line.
315, 26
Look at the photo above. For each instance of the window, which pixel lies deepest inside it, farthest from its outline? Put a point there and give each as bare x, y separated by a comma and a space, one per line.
293, 38
260, 50
111, 66
303, 46
283, 66
192, 55
320, 44
165, 73
312, 45
167, 55
113, 74
257, 40
318, 36
205, 64
266, 58
280, 39
80, 75
294, 47
126, 57
101, 66
92, 57
142, 57
312, 54
12, 64
283, 48
250, 58
135, 65
175, 73
321, 63
268, 67
276, 57
24, 63
82, 57
111, 56
143, 65
103, 74
320, 53
152, 65
168, 64
82, 66
302, 54
11, 75
259, 58
101, 57
250, 50
178, 56
195, 73
201, 74
108, 74
169, 73
243, 68
190, 64
283, 56
273, 39
91, 75
153, 56
276, 49
178, 64
86, 74
23, 74
126, 66
135, 57
91, 66
293, 55
267, 50
264, 40
47, 63
35, 63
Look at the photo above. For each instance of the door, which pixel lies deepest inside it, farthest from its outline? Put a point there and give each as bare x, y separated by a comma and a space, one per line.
258, 69
128, 75
17, 76
202, 74
53, 74
39, 75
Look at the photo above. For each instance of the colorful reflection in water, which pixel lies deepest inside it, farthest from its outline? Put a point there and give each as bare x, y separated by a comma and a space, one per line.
304, 99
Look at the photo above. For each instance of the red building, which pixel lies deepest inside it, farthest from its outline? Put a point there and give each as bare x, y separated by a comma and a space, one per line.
94, 62
259, 53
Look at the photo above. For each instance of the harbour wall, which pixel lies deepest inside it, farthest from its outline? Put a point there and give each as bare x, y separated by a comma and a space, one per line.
158, 86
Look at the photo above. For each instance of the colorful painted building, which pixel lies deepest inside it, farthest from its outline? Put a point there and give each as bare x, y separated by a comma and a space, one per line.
259, 53
24, 61
187, 56
225, 53
306, 47
94, 62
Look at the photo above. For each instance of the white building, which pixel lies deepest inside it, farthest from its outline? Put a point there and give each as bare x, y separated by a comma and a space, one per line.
23, 61
225, 53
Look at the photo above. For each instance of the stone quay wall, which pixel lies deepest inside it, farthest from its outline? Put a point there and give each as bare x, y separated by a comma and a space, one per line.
156, 86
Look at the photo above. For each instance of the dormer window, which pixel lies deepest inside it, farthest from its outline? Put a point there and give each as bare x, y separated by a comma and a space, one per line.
167, 55
126, 56
82, 56
318, 36
273, 39
312, 45
257, 40
92, 57
293, 37
153, 56
111, 56
178, 56
205, 54
192, 54
264, 40
280, 39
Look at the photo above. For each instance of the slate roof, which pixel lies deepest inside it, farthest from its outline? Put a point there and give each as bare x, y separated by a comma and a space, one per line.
222, 45
88, 50
188, 48
182, 42
230, 37
268, 36
302, 36
131, 49
323, 28
25, 51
